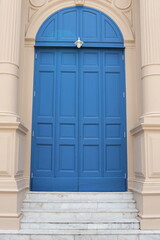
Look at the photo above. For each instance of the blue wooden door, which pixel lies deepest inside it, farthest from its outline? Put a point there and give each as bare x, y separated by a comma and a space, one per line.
79, 122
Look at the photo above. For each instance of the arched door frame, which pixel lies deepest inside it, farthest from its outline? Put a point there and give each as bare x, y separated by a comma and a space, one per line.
98, 31
34, 25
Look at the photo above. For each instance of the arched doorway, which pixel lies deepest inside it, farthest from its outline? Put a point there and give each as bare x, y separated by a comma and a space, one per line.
79, 114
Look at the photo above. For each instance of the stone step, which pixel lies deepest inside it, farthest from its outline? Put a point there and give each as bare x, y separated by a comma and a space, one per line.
78, 196
78, 205
121, 225
28, 200
41, 216
78, 201
79, 210
133, 220
78, 213
80, 235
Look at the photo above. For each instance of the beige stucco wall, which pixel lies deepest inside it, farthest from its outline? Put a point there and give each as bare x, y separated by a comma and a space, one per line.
142, 59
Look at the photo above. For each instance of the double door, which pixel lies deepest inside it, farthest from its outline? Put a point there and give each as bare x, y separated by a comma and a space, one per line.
79, 122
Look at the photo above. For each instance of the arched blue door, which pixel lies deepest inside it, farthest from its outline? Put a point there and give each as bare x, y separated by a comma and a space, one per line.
79, 122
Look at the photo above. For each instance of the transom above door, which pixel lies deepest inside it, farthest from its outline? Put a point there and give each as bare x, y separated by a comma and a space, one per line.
93, 27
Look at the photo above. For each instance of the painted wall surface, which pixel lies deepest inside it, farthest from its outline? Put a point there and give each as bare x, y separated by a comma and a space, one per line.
137, 20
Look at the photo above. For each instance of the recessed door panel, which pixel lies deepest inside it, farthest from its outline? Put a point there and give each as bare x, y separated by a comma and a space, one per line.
90, 22
90, 94
67, 94
112, 87
44, 157
46, 80
68, 27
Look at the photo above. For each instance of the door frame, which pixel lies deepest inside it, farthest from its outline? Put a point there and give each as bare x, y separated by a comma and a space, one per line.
130, 70
124, 105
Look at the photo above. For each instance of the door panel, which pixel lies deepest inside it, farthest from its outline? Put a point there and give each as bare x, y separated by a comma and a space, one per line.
114, 115
44, 116
67, 115
79, 120
90, 116
68, 21
90, 21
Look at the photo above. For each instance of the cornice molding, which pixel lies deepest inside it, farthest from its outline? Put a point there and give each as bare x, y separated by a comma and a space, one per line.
145, 127
14, 126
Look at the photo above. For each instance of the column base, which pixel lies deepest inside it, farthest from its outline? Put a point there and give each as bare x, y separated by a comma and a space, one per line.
146, 184
10, 209
149, 210
10, 223
149, 223
12, 182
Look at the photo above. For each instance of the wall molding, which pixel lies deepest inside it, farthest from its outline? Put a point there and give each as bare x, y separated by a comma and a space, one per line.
37, 15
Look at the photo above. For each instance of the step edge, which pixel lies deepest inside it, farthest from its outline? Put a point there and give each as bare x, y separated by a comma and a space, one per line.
63, 192
83, 201
131, 220
71, 211
106, 232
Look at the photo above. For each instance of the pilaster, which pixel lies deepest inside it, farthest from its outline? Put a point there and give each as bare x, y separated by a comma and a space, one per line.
10, 26
150, 52
12, 131
147, 133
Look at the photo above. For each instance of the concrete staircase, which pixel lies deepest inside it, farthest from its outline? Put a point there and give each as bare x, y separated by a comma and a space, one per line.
79, 216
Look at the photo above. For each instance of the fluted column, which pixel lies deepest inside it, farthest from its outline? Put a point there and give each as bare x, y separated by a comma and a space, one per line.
150, 52
10, 28
12, 132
